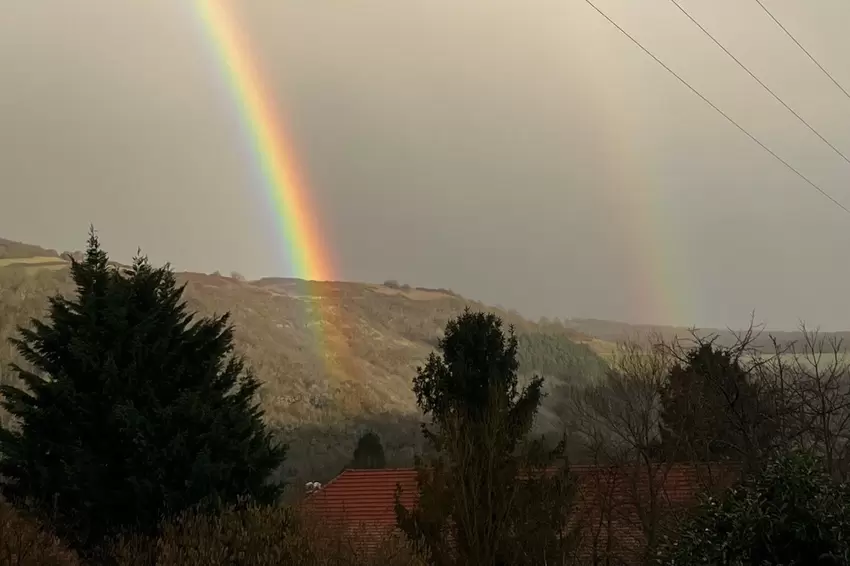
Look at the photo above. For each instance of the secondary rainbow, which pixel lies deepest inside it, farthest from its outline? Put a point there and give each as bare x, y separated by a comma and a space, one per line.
660, 283
294, 212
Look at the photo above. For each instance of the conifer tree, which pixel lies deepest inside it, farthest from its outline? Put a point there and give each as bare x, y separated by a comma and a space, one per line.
711, 410
132, 409
487, 498
369, 453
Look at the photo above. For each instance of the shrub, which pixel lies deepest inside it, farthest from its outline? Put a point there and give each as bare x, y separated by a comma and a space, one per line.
25, 542
791, 513
442, 290
252, 536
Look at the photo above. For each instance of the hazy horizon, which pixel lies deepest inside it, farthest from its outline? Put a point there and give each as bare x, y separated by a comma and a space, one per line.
527, 156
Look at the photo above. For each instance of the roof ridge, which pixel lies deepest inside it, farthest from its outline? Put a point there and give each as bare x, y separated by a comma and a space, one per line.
323, 486
577, 467
350, 471
375, 470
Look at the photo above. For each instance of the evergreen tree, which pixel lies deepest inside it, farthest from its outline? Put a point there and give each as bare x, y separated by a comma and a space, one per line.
483, 499
132, 408
711, 410
369, 453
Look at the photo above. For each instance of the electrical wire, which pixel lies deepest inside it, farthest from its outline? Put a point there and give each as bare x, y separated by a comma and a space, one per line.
760, 82
718, 110
809, 55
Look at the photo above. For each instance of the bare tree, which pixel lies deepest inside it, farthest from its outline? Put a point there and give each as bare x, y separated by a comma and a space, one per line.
617, 421
723, 399
820, 399
742, 402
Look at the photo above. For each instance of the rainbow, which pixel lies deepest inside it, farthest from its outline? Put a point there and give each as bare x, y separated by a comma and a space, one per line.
660, 282
305, 250
288, 193
661, 289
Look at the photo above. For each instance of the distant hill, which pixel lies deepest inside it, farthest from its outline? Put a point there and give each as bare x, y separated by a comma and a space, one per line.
382, 331
10, 249
610, 332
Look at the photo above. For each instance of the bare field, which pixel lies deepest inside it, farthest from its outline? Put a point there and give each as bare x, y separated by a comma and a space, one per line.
41, 261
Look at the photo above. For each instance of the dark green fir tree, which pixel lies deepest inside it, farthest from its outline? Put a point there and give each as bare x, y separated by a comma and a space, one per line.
369, 453
489, 496
132, 408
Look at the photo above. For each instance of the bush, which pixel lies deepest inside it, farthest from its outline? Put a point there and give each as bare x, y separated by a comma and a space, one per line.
24, 542
253, 536
792, 513
441, 290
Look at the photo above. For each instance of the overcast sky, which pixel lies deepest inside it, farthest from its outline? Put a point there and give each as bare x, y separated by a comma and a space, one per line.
521, 153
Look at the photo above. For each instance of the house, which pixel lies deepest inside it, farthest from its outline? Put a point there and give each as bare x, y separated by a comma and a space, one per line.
362, 502
619, 508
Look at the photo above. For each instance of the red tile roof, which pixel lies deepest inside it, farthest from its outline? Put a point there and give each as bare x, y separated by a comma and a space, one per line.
363, 501
614, 502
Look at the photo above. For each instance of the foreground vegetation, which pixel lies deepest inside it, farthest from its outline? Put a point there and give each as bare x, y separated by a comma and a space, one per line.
137, 435
256, 536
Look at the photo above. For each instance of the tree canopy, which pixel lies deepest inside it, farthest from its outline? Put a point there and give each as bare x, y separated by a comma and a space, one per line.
711, 409
131, 408
369, 453
480, 500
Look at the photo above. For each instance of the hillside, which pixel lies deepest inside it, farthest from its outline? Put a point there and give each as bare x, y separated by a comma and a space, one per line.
334, 358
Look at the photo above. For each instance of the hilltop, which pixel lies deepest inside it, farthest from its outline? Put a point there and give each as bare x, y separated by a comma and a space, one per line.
288, 329
338, 358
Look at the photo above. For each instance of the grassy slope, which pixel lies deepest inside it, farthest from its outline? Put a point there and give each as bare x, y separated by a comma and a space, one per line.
387, 332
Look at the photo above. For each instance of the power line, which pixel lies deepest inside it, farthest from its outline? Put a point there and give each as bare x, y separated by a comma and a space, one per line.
759, 81
810, 56
718, 110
